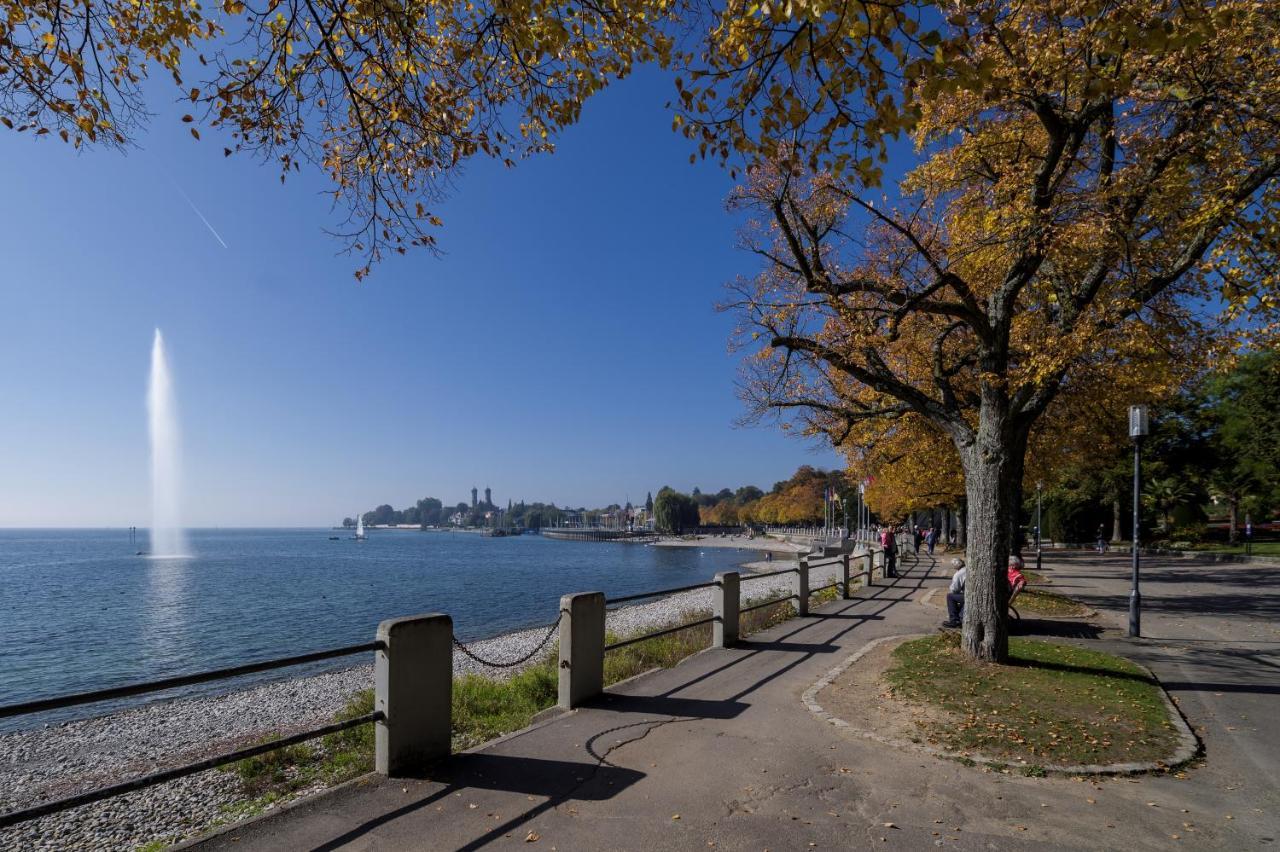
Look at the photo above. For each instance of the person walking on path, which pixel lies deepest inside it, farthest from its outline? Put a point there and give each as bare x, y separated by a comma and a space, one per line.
931, 538
916, 538
890, 544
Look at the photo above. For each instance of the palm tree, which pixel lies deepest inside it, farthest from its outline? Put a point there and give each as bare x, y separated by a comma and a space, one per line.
1164, 495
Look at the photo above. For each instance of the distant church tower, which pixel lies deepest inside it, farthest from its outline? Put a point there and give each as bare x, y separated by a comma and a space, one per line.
473, 496
487, 501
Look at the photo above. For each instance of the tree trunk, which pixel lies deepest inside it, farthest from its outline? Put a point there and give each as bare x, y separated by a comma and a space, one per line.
1017, 535
1232, 538
962, 532
1116, 534
993, 464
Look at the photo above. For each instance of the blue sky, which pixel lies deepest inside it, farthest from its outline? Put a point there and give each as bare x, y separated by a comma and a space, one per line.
565, 348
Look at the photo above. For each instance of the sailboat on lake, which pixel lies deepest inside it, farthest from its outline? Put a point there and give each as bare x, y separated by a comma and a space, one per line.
360, 536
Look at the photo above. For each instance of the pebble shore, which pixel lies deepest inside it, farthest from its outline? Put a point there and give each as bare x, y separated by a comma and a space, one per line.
62, 759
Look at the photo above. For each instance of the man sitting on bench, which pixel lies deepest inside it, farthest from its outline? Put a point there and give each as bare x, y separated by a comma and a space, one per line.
955, 595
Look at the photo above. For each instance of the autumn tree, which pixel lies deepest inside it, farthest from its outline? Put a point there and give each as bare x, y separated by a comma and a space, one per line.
1093, 180
914, 465
796, 500
724, 513
388, 99
911, 464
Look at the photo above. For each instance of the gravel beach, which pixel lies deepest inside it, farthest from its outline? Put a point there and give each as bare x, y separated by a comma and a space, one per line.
57, 760
742, 542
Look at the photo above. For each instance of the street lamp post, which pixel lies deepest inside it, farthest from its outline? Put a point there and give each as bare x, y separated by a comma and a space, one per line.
1137, 431
866, 513
1039, 486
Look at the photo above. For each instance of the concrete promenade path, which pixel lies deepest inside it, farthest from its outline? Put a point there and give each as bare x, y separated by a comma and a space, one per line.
719, 752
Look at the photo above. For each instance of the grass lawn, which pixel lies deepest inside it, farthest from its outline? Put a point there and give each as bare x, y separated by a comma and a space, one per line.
1052, 704
1260, 548
1039, 602
483, 709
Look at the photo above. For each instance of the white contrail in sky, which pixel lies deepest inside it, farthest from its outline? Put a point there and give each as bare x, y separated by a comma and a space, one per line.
196, 210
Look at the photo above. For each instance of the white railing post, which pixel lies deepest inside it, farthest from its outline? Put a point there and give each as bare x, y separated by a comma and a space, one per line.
725, 609
413, 688
802, 586
581, 648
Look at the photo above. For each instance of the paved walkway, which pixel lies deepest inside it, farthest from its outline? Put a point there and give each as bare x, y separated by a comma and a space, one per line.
719, 752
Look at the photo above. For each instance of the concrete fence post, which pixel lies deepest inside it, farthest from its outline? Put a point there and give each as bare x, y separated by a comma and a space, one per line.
413, 687
581, 648
868, 573
801, 589
725, 603
845, 591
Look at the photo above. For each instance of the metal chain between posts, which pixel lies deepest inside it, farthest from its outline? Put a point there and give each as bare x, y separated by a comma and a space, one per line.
513, 663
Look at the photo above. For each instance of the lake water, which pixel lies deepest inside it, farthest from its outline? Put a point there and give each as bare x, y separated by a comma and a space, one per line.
79, 610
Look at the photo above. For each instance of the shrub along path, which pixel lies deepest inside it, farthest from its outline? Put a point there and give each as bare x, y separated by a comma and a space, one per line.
719, 752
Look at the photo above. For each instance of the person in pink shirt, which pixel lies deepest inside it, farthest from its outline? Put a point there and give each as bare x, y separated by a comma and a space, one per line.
1016, 578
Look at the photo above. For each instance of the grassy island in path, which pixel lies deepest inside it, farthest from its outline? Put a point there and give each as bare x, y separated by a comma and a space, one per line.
1039, 602
1053, 704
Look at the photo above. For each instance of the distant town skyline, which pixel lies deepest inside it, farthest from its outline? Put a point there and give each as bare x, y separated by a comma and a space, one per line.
565, 347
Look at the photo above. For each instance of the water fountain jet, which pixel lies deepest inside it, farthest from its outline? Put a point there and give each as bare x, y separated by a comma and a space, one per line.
168, 539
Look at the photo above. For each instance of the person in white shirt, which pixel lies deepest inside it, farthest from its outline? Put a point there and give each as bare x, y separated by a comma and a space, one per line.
955, 595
